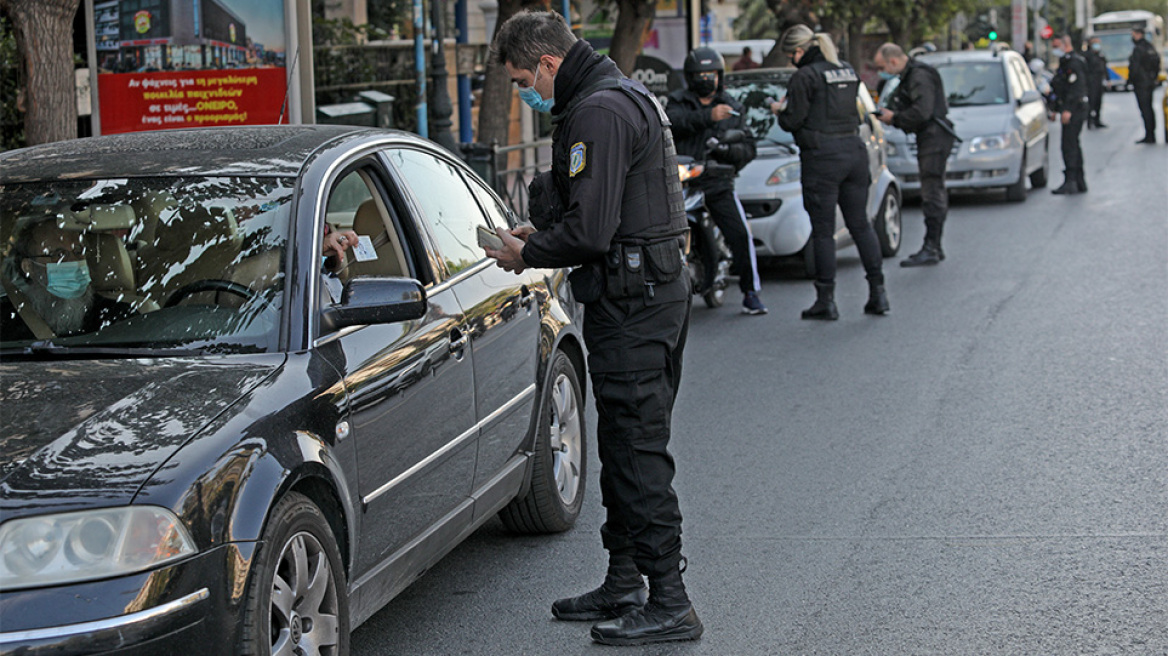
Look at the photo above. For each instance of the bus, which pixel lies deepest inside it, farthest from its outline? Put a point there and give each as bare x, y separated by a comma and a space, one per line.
1114, 32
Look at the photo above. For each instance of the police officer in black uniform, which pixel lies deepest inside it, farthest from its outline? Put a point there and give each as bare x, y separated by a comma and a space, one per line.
1070, 107
614, 170
1096, 76
702, 112
1142, 71
820, 110
918, 106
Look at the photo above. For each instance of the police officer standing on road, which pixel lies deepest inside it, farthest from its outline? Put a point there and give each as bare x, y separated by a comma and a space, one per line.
820, 110
702, 114
1096, 76
1142, 71
918, 106
1070, 107
615, 174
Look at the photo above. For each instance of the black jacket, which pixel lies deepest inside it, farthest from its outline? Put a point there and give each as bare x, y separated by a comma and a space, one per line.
821, 100
1070, 83
601, 139
693, 125
1143, 65
919, 98
1096, 68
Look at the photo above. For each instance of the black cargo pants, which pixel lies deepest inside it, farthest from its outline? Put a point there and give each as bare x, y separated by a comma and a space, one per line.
933, 147
837, 173
1072, 150
727, 214
635, 348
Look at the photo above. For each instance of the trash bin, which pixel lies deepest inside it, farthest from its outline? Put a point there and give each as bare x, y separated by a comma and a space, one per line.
481, 159
383, 102
354, 113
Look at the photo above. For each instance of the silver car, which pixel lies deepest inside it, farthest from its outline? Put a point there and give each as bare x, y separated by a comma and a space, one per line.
999, 115
770, 187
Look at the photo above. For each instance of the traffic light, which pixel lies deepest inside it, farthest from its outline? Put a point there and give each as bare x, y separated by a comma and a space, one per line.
993, 35
981, 29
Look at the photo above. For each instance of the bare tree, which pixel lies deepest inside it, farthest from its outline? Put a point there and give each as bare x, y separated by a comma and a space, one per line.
495, 107
44, 37
633, 18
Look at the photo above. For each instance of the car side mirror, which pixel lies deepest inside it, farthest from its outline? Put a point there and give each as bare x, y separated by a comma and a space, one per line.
374, 301
1029, 96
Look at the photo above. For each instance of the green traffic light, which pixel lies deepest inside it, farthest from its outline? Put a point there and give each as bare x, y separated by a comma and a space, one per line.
993, 36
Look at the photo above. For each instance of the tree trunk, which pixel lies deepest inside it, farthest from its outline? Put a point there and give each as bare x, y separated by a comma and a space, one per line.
495, 107
44, 37
628, 34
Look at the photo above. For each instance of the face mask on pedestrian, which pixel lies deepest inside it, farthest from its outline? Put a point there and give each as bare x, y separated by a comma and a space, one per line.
67, 279
1096, 47
885, 75
704, 84
533, 98
1057, 52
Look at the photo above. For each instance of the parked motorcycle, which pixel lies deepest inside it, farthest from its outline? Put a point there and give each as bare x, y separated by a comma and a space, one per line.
706, 255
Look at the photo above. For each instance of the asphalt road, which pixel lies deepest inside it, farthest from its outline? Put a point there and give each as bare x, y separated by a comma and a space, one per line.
983, 471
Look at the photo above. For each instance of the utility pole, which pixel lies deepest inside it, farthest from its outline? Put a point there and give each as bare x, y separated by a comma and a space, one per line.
440, 96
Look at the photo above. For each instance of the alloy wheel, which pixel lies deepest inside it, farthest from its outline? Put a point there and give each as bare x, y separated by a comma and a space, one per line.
565, 439
304, 600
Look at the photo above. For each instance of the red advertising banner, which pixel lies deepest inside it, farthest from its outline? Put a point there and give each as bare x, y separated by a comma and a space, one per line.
156, 101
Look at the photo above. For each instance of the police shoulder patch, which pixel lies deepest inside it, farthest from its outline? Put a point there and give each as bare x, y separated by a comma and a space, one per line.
577, 159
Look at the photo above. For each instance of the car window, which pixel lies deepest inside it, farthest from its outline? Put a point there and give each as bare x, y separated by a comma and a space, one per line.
1014, 80
448, 206
974, 83
355, 203
145, 263
1024, 76
753, 95
498, 214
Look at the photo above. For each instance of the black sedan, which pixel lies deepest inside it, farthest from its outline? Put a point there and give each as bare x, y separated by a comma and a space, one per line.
211, 440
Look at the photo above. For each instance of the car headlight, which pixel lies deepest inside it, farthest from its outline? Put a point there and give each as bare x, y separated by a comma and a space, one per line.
786, 173
87, 545
991, 142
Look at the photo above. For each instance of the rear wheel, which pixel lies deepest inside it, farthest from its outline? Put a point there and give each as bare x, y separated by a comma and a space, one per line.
553, 501
888, 227
298, 605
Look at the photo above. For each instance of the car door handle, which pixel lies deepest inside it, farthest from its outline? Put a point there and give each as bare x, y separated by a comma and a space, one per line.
458, 341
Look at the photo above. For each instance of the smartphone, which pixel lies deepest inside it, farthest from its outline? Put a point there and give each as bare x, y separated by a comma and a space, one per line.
488, 239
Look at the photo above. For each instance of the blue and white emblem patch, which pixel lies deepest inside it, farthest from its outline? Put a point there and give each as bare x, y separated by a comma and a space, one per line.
577, 159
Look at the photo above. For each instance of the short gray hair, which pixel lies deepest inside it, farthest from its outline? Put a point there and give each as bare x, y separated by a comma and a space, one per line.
529, 35
890, 51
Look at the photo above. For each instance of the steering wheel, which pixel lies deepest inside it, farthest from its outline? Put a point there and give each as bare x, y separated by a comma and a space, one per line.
214, 285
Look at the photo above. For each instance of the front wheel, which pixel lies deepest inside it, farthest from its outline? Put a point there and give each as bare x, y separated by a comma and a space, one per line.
298, 604
556, 494
1016, 193
888, 225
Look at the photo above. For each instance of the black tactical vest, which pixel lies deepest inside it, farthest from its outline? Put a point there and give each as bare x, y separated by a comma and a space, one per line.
652, 208
837, 86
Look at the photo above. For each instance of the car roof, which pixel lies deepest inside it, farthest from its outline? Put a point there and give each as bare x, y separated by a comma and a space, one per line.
255, 151
958, 56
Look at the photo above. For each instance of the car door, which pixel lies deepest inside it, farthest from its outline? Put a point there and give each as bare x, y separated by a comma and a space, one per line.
1031, 116
501, 308
410, 383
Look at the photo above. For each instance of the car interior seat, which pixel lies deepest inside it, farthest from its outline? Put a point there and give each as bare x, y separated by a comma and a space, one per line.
369, 221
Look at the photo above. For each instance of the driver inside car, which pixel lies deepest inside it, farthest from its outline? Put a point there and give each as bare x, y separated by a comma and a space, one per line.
48, 288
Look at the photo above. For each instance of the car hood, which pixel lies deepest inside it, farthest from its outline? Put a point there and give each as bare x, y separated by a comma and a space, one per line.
971, 121
86, 433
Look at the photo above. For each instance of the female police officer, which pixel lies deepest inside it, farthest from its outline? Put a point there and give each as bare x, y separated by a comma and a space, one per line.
820, 110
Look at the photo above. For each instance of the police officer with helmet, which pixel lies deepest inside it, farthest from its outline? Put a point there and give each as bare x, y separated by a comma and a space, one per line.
701, 115
622, 223
1071, 105
820, 111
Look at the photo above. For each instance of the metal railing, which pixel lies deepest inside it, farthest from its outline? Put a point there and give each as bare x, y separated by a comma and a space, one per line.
509, 169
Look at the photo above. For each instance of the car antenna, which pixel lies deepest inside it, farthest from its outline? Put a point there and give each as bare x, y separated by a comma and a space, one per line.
288, 83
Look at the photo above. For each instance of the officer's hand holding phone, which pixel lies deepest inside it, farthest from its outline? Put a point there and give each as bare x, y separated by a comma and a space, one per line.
721, 112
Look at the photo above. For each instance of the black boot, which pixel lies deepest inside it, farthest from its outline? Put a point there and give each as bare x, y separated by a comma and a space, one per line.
1070, 184
824, 308
877, 297
1082, 180
623, 590
669, 616
929, 255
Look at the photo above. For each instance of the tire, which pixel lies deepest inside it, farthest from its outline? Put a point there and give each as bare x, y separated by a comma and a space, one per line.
298, 561
559, 465
888, 225
1016, 193
1038, 178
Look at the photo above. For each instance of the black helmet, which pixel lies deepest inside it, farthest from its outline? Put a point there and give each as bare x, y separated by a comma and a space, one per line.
704, 59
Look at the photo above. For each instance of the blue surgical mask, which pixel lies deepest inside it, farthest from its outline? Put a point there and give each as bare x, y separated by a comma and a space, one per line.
885, 75
1096, 46
67, 279
532, 97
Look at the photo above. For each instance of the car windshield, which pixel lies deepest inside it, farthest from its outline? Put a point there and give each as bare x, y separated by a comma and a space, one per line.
974, 83
753, 95
127, 267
